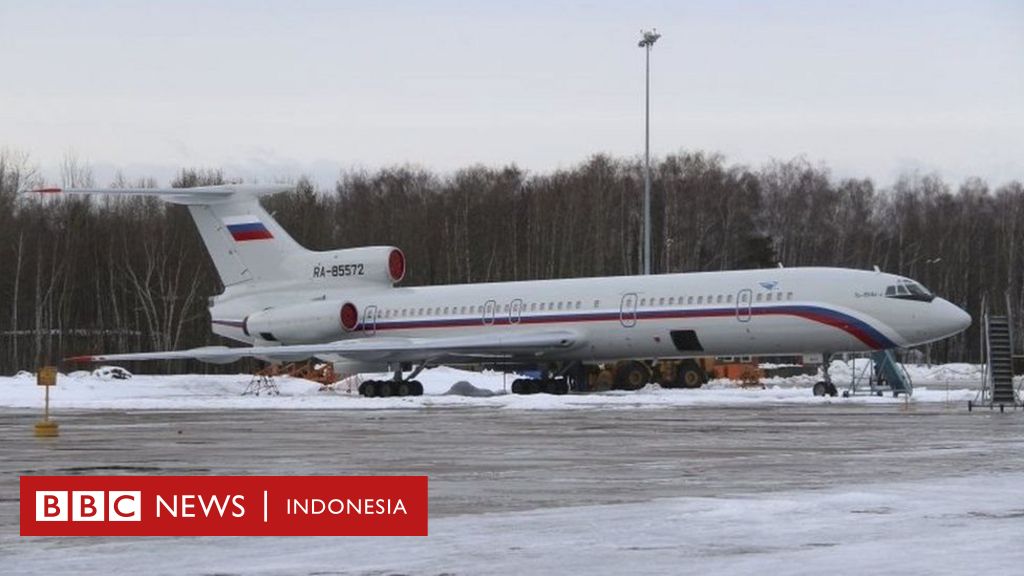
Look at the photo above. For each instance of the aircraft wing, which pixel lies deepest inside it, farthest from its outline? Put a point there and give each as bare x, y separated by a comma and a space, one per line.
376, 349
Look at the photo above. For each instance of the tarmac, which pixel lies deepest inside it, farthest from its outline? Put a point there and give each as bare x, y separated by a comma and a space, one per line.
485, 460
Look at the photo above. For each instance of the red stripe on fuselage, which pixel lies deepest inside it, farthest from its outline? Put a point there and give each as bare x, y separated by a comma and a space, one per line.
821, 318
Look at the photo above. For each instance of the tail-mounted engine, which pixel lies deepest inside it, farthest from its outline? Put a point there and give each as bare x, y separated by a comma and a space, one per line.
372, 264
309, 322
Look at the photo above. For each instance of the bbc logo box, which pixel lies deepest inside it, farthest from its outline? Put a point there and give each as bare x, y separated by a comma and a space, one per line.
88, 506
224, 506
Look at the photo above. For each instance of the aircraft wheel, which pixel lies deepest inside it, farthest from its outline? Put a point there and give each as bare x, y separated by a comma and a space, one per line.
604, 381
402, 389
558, 387
416, 388
517, 386
531, 387
830, 388
386, 389
633, 376
820, 389
689, 377
368, 388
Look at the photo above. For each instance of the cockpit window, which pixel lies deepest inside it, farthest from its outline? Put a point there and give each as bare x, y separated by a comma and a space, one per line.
909, 290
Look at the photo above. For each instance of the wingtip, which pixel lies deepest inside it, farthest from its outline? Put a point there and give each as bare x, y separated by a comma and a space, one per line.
80, 359
49, 190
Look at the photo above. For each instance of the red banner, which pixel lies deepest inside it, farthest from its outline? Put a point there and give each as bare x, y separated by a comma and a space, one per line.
223, 505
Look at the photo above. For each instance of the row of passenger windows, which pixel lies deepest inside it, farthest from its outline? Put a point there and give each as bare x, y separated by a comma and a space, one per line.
574, 305
463, 310
713, 299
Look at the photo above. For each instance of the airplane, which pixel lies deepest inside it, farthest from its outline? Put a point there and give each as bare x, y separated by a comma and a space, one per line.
288, 303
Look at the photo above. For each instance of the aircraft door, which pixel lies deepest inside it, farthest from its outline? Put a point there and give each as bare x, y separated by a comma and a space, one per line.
490, 309
515, 311
743, 299
627, 310
370, 320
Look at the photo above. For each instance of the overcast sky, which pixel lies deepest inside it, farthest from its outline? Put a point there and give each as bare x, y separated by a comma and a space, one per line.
278, 89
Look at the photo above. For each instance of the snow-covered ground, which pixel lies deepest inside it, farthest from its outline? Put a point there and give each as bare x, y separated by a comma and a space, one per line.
944, 526
765, 490
85, 390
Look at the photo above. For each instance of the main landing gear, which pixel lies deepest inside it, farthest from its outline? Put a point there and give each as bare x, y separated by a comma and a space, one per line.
557, 386
385, 388
566, 377
394, 387
825, 387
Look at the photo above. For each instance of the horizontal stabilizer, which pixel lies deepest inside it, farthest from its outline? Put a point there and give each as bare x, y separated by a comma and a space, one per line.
197, 195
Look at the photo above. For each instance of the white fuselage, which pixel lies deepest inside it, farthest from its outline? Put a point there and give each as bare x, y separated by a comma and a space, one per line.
748, 312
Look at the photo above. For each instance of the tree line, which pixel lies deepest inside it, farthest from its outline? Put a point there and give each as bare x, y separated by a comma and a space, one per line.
84, 275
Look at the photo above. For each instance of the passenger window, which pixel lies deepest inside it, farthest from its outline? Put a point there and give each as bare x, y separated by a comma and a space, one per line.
541, 306
559, 305
533, 307
597, 303
421, 312
579, 304
759, 297
661, 301
718, 299
728, 299
700, 299
446, 310
689, 300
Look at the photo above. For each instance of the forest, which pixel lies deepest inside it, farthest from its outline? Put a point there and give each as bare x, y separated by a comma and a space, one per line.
85, 275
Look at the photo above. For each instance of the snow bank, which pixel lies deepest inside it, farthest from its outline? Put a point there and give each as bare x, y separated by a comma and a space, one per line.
83, 390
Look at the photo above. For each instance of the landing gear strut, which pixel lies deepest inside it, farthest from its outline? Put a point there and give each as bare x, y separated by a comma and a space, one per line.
825, 387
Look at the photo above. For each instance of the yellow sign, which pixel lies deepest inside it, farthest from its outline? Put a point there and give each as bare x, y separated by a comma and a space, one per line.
47, 376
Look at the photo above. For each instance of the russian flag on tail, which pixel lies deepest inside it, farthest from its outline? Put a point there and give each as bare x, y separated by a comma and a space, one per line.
247, 227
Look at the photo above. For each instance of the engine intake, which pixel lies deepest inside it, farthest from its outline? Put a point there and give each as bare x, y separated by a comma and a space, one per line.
305, 323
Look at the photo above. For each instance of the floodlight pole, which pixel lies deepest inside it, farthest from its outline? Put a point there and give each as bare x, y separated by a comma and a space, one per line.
648, 40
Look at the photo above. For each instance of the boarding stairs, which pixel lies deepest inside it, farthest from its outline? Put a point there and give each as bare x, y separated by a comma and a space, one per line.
882, 374
997, 380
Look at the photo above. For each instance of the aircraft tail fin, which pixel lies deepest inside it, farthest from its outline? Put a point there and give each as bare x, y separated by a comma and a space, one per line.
244, 241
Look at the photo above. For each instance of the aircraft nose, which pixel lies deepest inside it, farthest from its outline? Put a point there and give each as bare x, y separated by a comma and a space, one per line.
954, 319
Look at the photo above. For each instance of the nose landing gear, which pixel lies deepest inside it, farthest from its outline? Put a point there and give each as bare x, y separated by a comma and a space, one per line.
825, 387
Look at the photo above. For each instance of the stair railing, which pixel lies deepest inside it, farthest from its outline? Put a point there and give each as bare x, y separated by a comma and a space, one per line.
985, 352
